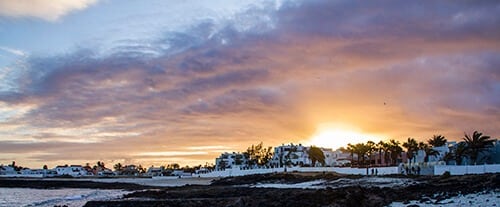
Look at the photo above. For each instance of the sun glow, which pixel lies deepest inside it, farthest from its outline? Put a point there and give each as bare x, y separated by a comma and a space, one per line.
336, 135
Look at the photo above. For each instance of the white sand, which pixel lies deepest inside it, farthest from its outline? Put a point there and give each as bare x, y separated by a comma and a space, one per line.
491, 198
342, 182
315, 184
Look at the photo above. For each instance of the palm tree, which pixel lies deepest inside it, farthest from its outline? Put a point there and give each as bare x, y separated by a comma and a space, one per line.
437, 141
456, 153
381, 146
476, 144
428, 151
459, 152
395, 150
371, 149
361, 150
316, 155
411, 146
387, 153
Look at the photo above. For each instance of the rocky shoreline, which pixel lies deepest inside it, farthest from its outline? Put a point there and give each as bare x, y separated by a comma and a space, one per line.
238, 191
289, 189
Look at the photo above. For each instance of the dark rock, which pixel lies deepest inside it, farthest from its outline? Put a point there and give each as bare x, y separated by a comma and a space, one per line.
224, 193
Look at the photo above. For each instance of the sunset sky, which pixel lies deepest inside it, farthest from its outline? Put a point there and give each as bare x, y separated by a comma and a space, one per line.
163, 81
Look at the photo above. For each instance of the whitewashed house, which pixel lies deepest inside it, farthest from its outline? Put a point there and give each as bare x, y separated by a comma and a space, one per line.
7, 170
72, 170
290, 155
441, 152
202, 170
297, 155
339, 159
106, 172
38, 172
155, 171
231, 160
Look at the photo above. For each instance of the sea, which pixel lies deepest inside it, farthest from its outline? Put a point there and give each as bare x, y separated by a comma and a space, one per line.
71, 197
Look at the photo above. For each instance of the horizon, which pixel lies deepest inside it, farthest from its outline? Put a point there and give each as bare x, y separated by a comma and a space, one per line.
110, 165
158, 82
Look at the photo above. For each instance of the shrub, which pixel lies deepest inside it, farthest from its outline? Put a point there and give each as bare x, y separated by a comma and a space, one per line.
446, 174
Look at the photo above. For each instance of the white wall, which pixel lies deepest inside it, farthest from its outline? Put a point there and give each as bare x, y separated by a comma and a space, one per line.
466, 169
352, 171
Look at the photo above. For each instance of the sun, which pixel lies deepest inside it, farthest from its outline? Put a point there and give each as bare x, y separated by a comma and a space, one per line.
337, 135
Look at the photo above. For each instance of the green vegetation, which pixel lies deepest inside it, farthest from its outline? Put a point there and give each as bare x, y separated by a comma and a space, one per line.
316, 155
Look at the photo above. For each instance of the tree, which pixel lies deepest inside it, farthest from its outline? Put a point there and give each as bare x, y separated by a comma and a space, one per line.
411, 146
395, 150
173, 166
350, 149
361, 150
477, 144
118, 167
316, 155
387, 153
141, 169
371, 149
459, 152
437, 141
380, 147
428, 151
45, 167
259, 155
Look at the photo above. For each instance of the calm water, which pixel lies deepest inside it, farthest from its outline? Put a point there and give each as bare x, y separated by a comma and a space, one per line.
41, 197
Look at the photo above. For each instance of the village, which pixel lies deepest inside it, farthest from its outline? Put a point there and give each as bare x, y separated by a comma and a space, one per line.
476, 154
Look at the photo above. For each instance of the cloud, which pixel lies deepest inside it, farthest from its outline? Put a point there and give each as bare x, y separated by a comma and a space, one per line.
320, 62
13, 51
49, 10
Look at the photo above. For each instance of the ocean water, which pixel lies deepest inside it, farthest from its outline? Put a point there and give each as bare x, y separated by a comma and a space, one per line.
71, 197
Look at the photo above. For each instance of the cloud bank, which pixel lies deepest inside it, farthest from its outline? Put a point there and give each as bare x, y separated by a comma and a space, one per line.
315, 62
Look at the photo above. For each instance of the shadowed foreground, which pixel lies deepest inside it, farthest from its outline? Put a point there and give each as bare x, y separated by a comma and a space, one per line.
235, 192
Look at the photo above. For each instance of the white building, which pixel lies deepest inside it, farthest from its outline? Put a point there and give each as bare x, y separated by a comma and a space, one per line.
72, 170
41, 172
7, 170
441, 152
297, 155
155, 171
290, 155
231, 160
338, 159
104, 172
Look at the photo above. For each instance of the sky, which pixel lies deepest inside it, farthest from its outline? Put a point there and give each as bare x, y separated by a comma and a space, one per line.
168, 81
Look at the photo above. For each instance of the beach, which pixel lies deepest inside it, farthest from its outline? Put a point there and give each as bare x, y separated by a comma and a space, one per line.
282, 189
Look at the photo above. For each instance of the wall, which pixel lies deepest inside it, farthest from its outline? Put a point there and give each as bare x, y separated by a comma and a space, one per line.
466, 169
352, 171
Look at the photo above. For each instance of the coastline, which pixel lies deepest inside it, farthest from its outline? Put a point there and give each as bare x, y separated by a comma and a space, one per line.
241, 191
285, 189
